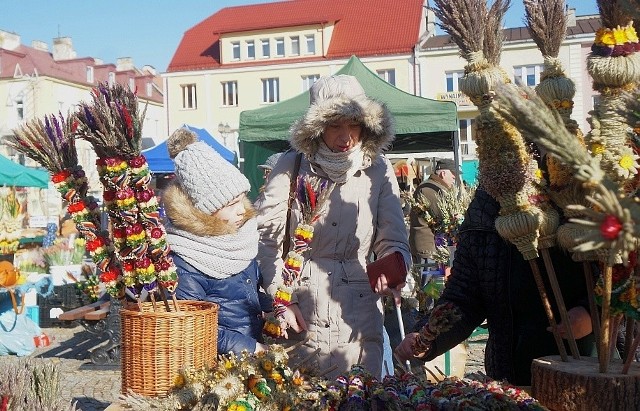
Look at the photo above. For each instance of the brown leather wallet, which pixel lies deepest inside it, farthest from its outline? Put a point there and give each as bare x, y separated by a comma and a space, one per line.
393, 267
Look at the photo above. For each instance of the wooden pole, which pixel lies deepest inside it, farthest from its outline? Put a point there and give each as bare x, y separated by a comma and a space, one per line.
630, 351
547, 308
593, 308
604, 352
557, 293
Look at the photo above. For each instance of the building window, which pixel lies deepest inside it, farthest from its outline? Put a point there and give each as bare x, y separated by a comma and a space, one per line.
266, 48
20, 109
112, 78
527, 75
467, 138
453, 80
307, 81
251, 49
89, 74
388, 75
149, 89
280, 47
311, 43
235, 50
270, 90
132, 84
189, 98
295, 45
230, 93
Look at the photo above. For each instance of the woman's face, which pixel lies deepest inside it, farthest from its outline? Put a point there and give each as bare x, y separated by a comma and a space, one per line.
233, 213
342, 135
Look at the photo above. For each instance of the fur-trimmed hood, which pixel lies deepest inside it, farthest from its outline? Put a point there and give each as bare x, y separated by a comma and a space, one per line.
338, 97
184, 215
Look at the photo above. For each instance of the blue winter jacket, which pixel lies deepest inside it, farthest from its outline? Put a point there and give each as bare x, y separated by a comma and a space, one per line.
241, 303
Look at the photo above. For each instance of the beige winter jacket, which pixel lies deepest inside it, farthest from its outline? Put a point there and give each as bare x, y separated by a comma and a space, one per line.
362, 216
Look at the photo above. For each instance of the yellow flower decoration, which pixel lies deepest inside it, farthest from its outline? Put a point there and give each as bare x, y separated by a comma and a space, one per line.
627, 162
606, 38
631, 34
619, 35
597, 148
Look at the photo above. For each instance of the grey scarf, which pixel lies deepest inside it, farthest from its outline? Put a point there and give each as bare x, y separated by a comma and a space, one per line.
219, 256
340, 166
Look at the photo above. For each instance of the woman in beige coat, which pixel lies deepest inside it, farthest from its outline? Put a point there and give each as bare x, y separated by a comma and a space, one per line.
340, 139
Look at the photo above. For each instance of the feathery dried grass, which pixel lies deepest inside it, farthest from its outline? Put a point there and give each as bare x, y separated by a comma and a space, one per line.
540, 124
112, 123
612, 14
547, 24
464, 21
50, 142
493, 34
30, 384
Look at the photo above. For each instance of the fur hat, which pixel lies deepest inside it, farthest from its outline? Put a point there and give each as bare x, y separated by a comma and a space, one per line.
210, 181
337, 97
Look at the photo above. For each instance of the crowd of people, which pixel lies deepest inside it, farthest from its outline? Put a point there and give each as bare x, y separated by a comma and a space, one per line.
236, 254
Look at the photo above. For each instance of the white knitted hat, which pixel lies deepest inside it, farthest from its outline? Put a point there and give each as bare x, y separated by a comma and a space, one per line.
210, 181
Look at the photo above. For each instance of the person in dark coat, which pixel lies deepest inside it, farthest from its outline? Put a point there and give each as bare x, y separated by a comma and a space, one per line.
490, 279
212, 232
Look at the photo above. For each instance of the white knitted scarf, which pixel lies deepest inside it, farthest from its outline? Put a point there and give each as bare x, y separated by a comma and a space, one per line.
340, 166
218, 256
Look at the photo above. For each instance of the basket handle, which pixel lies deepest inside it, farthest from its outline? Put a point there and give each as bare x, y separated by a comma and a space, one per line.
17, 310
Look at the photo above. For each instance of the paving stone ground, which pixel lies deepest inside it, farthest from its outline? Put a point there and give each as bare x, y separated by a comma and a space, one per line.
94, 388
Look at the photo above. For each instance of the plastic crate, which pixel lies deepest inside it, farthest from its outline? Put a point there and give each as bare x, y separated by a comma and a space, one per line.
63, 298
33, 312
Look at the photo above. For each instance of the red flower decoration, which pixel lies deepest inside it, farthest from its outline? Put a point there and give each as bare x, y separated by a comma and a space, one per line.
109, 195
92, 245
127, 266
108, 276
119, 233
75, 207
144, 196
610, 227
144, 262
61, 176
137, 161
156, 233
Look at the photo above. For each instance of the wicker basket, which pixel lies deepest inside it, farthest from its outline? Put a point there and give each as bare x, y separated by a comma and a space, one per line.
155, 345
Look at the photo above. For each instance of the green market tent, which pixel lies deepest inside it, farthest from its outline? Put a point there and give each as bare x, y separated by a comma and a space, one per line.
17, 175
421, 124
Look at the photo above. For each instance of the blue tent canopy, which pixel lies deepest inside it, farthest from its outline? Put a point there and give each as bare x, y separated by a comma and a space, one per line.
14, 174
160, 162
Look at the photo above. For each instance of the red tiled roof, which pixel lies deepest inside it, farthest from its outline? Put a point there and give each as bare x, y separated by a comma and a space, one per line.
362, 27
34, 61
584, 25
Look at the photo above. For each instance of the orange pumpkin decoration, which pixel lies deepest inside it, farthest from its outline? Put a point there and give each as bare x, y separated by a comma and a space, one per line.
8, 274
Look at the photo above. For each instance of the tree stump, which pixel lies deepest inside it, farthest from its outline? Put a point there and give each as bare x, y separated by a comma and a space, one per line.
577, 385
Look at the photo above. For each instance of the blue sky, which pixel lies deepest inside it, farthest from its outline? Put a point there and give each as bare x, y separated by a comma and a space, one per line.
146, 30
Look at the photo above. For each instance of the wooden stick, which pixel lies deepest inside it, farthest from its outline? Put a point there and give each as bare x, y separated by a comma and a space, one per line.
163, 296
631, 353
175, 302
547, 308
435, 377
307, 358
593, 307
629, 327
328, 370
613, 333
604, 353
562, 308
440, 371
153, 301
299, 343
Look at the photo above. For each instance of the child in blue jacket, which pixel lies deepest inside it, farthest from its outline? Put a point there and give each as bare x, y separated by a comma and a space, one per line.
213, 237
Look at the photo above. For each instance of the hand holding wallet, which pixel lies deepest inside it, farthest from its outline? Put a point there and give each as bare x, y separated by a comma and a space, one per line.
392, 266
